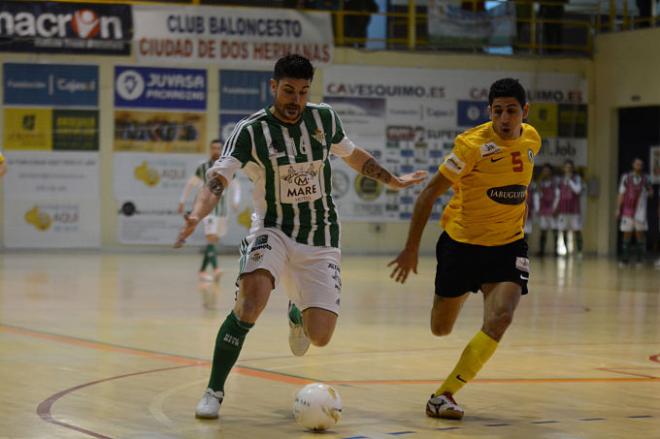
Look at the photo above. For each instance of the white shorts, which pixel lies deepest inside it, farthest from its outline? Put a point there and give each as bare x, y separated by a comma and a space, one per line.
569, 221
311, 275
547, 222
629, 224
215, 225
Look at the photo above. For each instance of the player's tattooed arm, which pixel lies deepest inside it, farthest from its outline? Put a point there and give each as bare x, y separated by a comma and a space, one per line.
373, 169
366, 164
206, 200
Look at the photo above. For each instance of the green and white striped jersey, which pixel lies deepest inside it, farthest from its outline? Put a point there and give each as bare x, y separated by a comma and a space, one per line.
289, 165
220, 209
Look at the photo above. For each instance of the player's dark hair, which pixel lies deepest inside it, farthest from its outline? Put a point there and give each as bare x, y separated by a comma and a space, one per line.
507, 88
569, 162
215, 141
293, 66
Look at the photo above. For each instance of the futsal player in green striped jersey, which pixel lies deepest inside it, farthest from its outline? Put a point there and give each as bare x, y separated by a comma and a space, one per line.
285, 149
215, 223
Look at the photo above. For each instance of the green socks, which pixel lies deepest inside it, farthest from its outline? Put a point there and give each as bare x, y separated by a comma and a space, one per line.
228, 346
294, 314
210, 256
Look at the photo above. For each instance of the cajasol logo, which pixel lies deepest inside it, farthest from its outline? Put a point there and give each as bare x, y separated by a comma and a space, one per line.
82, 23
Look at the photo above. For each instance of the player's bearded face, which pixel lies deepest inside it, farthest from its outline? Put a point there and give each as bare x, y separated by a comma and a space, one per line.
291, 97
507, 116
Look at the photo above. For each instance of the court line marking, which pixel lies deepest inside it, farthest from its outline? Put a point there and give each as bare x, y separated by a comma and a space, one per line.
44, 408
156, 405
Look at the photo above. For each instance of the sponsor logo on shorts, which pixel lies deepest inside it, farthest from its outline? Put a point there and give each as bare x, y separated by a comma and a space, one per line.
260, 242
522, 264
336, 276
513, 194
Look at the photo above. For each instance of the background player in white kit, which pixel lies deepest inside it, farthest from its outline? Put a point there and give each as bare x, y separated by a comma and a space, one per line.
548, 196
634, 191
285, 150
215, 223
569, 218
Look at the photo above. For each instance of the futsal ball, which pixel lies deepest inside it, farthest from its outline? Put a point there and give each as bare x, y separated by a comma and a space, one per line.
317, 407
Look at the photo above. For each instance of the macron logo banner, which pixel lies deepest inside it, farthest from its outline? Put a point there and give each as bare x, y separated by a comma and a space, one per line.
84, 28
148, 87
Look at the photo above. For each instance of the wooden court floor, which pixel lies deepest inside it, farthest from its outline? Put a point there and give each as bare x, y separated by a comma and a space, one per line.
118, 346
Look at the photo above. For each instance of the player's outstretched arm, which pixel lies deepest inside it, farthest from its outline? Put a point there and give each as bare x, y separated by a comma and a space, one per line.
407, 259
192, 183
366, 164
206, 200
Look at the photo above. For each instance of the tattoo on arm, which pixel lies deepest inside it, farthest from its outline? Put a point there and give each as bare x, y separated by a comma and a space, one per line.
216, 187
372, 169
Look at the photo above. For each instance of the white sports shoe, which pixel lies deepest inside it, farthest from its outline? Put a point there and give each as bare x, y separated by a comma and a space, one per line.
205, 277
209, 405
444, 407
298, 341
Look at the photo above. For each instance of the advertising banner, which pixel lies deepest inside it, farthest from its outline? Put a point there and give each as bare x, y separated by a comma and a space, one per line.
230, 36
149, 87
50, 85
408, 119
51, 140
58, 27
28, 129
51, 223
148, 221
144, 131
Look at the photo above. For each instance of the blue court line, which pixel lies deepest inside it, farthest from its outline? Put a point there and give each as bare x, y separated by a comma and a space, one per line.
447, 428
356, 437
401, 433
497, 425
592, 419
545, 422
640, 417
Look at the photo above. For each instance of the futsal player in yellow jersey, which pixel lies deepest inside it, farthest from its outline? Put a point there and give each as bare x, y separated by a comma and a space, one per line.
482, 246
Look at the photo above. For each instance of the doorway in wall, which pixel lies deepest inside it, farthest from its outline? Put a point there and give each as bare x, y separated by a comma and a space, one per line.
639, 131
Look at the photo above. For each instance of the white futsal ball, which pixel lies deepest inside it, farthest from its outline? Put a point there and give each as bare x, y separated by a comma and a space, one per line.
317, 407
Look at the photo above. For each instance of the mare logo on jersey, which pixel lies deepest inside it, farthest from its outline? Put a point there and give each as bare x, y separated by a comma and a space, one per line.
454, 164
513, 194
489, 149
300, 182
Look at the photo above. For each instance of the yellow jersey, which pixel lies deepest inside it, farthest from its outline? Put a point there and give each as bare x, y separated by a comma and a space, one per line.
490, 176
2, 158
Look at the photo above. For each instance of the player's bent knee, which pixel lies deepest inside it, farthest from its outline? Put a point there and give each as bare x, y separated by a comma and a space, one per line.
496, 325
320, 340
440, 330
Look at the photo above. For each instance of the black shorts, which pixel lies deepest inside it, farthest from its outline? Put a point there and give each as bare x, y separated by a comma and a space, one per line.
465, 267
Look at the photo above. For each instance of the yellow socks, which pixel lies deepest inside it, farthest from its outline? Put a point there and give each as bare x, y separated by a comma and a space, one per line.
475, 355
